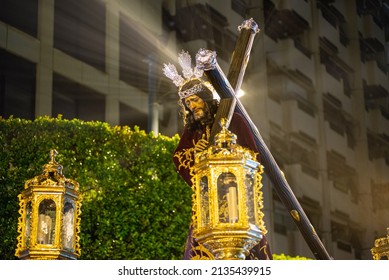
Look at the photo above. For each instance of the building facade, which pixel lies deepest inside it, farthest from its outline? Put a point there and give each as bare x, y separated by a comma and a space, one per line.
316, 86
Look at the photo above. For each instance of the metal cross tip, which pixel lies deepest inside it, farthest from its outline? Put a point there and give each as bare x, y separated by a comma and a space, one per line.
249, 24
206, 59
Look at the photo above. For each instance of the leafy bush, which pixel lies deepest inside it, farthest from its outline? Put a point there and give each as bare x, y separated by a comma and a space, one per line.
135, 205
283, 257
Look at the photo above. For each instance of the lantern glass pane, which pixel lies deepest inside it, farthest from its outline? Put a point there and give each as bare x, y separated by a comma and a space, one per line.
46, 222
227, 189
204, 198
250, 196
27, 224
68, 226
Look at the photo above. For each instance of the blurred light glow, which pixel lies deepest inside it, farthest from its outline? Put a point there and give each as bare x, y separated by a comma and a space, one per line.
240, 93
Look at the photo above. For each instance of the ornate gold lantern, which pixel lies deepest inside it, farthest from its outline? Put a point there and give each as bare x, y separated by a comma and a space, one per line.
381, 248
49, 222
227, 199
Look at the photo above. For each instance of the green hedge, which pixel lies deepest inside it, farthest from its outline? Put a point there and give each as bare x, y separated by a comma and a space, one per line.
283, 257
135, 205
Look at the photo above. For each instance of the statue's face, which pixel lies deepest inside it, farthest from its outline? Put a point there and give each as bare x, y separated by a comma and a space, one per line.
197, 106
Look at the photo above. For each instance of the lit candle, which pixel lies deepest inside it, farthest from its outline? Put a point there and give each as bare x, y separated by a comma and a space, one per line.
232, 201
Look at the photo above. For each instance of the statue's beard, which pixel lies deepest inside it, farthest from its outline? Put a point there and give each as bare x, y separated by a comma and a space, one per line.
199, 114
204, 117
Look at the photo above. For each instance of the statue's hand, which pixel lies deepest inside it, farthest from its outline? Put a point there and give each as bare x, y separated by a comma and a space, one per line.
201, 145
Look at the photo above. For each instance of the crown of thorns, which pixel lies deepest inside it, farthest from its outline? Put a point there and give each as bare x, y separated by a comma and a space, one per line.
188, 74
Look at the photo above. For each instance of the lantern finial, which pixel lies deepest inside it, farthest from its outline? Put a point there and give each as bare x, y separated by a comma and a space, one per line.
53, 167
225, 138
53, 154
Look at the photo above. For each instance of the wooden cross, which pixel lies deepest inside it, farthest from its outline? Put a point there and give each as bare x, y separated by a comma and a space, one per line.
226, 88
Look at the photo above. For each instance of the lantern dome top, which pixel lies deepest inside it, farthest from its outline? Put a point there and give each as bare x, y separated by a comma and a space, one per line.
53, 165
52, 175
225, 138
225, 147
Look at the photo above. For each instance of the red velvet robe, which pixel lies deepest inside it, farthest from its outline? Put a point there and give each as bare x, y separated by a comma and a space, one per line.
183, 159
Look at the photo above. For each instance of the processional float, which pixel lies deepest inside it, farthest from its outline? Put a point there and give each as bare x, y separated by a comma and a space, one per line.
226, 87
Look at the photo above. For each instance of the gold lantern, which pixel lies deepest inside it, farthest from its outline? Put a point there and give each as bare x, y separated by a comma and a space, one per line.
381, 248
227, 199
49, 222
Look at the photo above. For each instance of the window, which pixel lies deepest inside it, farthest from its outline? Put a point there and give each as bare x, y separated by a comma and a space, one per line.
17, 86
79, 30
135, 50
282, 220
130, 116
20, 14
72, 100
